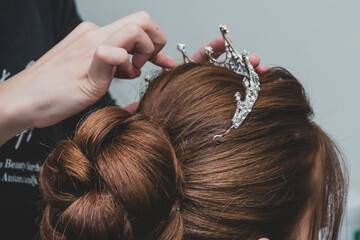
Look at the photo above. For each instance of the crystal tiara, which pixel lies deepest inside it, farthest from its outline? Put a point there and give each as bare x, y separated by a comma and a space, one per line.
239, 64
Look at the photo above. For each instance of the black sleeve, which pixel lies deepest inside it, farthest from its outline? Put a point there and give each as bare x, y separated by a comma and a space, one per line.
66, 18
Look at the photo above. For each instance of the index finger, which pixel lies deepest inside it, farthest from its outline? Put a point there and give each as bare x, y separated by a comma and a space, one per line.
218, 47
163, 60
146, 22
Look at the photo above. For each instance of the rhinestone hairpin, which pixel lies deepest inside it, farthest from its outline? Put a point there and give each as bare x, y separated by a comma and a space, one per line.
240, 64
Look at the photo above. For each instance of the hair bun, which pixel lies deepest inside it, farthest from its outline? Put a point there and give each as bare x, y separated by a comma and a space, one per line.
116, 179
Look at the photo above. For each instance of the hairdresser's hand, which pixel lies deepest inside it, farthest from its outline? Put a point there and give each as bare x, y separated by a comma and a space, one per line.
219, 48
78, 71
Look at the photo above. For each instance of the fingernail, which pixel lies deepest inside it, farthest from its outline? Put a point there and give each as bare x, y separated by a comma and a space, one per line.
135, 71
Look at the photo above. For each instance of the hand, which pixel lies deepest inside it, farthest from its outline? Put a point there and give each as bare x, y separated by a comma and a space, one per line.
78, 71
219, 48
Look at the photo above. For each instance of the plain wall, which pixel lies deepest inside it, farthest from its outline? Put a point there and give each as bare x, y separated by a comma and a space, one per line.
318, 41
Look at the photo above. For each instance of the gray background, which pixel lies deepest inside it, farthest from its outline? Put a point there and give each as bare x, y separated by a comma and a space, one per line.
318, 41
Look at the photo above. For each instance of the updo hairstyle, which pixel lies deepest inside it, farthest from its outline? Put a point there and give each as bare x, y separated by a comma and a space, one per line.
158, 173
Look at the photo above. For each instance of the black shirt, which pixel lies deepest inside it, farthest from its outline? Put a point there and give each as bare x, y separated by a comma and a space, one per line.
28, 29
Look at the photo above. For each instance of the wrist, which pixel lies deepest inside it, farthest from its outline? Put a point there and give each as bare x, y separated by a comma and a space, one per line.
15, 115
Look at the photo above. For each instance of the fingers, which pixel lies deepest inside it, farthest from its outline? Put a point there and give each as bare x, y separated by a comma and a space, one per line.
148, 25
134, 39
163, 60
255, 61
105, 61
141, 36
146, 22
262, 69
218, 47
130, 73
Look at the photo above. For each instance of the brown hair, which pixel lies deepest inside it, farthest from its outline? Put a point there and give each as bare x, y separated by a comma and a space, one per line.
158, 174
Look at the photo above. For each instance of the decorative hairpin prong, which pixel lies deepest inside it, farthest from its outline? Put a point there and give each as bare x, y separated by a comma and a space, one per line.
186, 58
241, 65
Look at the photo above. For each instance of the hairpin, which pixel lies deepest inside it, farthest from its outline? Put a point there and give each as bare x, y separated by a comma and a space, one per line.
239, 64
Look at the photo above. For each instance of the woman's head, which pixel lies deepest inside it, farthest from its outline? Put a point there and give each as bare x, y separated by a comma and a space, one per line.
158, 174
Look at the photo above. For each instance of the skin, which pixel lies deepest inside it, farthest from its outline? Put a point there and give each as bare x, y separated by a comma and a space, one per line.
78, 71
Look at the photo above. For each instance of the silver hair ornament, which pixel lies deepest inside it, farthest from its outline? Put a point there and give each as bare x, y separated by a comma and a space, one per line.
241, 65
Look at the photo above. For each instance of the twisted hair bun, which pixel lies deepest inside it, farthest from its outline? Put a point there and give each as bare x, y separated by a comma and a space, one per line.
117, 179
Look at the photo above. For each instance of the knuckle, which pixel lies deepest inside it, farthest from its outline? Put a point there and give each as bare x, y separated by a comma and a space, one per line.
160, 43
87, 26
133, 29
88, 33
163, 41
89, 37
145, 16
